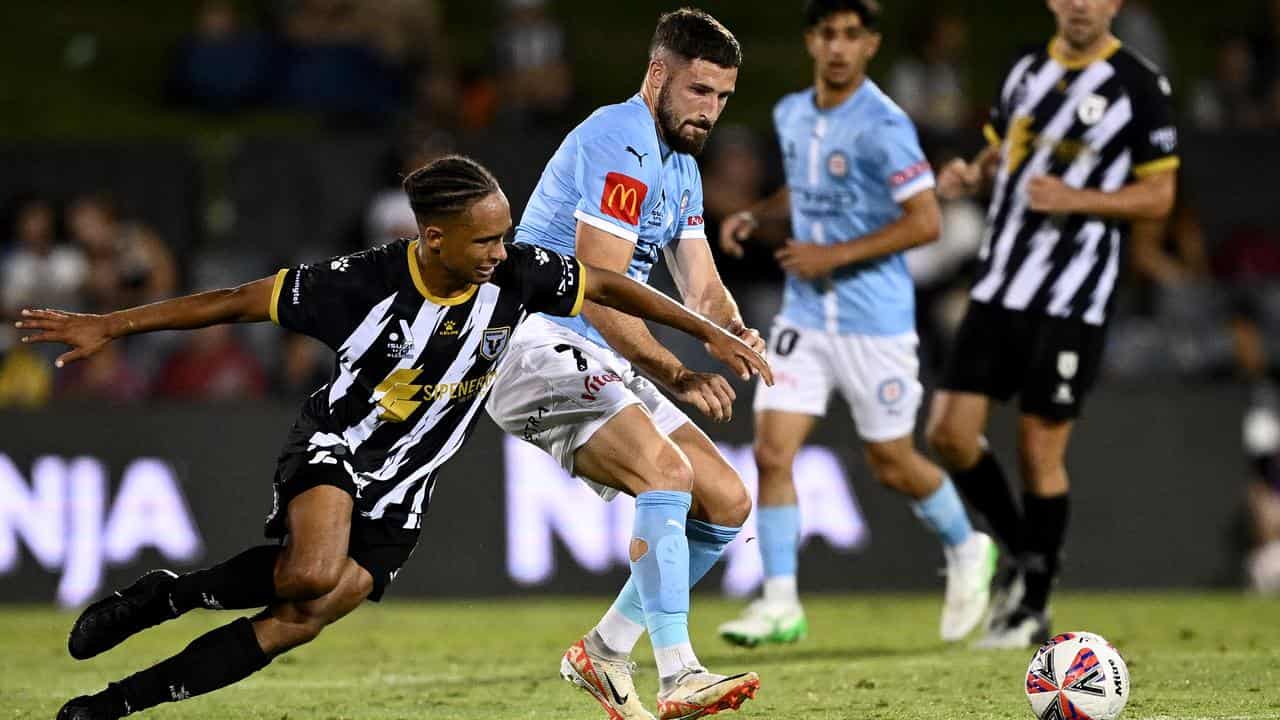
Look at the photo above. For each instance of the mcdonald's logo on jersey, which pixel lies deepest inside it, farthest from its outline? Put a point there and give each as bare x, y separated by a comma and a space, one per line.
623, 197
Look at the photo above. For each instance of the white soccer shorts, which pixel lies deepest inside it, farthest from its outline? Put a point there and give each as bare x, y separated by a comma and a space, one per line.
555, 389
877, 375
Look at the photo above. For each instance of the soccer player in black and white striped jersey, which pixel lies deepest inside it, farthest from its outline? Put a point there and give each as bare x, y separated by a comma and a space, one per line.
418, 327
1082, 145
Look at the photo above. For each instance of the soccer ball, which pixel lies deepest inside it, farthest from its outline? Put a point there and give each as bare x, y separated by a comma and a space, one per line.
1077, 676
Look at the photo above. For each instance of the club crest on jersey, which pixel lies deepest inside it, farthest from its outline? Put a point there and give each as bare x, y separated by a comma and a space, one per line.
1092, 109
400, 344
838, 164
494, 342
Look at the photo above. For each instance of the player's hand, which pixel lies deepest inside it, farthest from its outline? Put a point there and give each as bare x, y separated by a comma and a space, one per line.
750, 336
710, 393
959, 179
807, 261
1048, 194
86, 334
741, 354
735, 230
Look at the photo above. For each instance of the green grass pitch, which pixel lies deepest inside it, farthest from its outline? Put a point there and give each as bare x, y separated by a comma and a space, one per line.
868, 658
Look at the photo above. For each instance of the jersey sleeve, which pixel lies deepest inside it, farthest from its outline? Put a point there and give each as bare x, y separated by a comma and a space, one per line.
1154, 141
613, 181
318, 299
692, 223
547, 281
893, 148
1006, 95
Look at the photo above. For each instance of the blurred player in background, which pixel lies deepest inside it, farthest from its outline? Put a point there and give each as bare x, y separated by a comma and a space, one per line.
419, 327
859, 193
622, 187
1082, 144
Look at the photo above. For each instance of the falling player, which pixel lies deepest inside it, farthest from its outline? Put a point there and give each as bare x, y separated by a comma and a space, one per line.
418, 328
622, 187
1082, 143
859, 192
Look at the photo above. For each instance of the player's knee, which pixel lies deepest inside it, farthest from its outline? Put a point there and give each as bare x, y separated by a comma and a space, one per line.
889, 470
954, 447
773, 462
307, 582
734, 508
671, 471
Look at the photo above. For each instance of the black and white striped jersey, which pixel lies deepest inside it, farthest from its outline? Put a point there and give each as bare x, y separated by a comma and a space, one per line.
1096, 124
412, 370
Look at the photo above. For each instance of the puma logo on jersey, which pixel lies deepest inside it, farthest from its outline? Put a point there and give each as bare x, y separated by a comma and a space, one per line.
639, 156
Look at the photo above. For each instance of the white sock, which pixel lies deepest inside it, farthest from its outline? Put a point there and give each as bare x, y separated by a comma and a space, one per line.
619, 632
671, 660
965, 551
781, 590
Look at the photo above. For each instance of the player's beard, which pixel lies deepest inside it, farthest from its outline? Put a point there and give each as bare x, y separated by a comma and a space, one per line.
670, 124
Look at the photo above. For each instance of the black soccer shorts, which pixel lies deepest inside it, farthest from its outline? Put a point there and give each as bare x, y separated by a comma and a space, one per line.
1050, 363
379, 545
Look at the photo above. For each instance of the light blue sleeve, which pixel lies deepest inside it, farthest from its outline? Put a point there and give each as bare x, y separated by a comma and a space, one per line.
613, 179
893, 147
692, 223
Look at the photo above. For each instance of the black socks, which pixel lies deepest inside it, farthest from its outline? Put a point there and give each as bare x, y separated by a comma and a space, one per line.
214, 660
244, 582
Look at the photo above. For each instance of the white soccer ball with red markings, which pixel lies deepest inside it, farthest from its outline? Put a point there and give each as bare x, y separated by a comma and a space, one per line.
1077, 676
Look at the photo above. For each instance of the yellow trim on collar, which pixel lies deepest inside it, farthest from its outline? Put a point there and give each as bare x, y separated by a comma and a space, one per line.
422, 287
1110, 49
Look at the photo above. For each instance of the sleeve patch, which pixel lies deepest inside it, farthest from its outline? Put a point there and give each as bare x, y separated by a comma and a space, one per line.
694, 221
904, 177
623, 197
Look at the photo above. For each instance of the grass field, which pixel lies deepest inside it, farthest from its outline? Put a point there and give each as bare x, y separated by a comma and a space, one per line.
1191, 656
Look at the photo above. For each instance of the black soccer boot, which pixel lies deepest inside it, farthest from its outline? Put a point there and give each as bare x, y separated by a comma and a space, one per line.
108, 622
88, 707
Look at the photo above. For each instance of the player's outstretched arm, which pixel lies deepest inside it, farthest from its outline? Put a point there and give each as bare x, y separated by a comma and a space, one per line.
626, 295
88, 333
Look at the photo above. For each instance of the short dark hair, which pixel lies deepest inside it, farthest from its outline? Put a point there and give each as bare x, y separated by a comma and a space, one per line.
447, 186
694, 35
868, 11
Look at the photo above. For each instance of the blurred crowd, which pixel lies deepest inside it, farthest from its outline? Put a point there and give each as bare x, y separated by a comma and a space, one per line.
1200, 300
372, 64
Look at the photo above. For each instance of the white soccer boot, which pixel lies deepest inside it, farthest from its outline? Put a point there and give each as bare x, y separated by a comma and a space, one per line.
970, 567
607, 680
697, 693
1022, 629
765, 622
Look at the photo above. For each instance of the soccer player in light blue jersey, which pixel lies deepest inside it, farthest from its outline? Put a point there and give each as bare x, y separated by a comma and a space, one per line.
623, 186
859, 192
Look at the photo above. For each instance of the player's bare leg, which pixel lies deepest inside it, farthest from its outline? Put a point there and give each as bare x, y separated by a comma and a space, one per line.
629, 454
777, 617
971, 556
1042, 448
955, 430
311, 569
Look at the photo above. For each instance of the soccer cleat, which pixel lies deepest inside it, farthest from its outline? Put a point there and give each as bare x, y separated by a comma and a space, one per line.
84, 708
608, 681
766, 622
1010, 587
969, 573
108, 622
698, 693
1022, 629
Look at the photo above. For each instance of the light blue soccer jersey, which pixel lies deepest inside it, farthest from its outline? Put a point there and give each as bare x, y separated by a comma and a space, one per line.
848, 168
614, 173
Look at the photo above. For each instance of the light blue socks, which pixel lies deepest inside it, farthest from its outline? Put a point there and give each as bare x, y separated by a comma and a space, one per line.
944, 514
